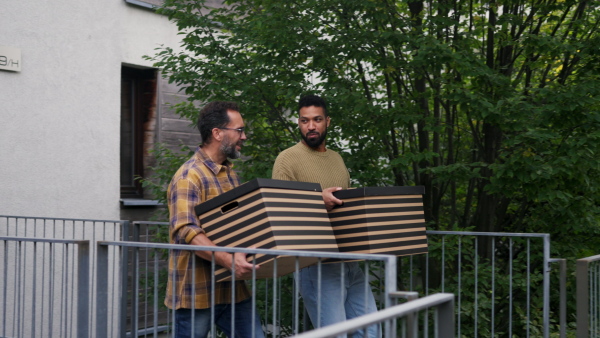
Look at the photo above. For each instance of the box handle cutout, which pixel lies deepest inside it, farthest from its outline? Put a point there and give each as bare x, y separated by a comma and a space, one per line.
227, 208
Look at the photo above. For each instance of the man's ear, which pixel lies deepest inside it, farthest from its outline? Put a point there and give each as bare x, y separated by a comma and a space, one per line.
216, 134
328, 121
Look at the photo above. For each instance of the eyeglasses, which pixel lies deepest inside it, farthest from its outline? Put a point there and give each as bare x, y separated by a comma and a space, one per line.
239, 130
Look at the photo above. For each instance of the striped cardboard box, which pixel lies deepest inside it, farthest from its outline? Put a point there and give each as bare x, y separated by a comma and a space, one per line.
380, 220
269, 214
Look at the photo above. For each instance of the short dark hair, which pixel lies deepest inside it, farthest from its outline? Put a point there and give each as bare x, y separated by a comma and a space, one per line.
214, 115
312, 100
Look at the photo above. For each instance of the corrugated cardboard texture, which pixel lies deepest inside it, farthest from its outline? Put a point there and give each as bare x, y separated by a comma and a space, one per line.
269, 217
382, 220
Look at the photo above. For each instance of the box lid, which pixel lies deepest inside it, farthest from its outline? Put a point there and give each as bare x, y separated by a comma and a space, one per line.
249, 187
379, 191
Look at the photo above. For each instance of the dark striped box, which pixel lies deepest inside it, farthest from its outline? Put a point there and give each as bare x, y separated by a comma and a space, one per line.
381, 220
269, 214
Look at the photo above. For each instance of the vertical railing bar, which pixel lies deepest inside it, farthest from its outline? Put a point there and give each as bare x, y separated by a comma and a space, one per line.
124, 280
510, 285
64, 292
117, 236
279, 301
33, 288
476, 292
193, 302
52, 279
319, 293
590, 286
213, 330
102, 253
546, 286
83, 288
155, 303
426, 317
68, 287
593, 287
528, 288
117, 290
266, 302
135, 280
436, 324
590, 277
563, 298
43, 301
366, 294
445, 317
342, 275
274, 307
4, 300
458, 310
146, 272
493, 302
391, 285
173, 293
592, 291
253, 296
233, 295
93, 280
73, 289
596, 268
443, 262
297, 297
18, 292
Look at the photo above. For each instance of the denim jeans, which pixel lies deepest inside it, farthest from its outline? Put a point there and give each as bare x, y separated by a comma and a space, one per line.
243, 321
337, 302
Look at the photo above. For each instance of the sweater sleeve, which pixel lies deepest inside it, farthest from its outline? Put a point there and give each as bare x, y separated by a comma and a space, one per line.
282, 169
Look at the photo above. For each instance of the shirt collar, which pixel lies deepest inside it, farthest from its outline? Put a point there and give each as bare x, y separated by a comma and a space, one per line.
210, 164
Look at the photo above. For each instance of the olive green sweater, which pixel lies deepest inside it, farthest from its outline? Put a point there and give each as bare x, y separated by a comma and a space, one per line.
303, 164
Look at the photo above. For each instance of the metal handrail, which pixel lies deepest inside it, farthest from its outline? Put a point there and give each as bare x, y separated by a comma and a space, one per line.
444, 302
103, 266
585, 303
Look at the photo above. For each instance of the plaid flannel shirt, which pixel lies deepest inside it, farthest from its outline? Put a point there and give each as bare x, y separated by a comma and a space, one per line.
197, 180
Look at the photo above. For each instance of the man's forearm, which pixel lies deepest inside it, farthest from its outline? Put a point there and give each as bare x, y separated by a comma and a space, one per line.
221, 258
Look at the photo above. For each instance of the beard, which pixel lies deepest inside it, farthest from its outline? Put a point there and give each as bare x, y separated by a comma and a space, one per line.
314, 142
228, 149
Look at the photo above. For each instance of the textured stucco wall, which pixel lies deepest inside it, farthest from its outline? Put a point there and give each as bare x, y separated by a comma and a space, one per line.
60, 116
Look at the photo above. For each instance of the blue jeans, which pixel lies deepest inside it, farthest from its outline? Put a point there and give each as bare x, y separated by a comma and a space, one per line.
338, 302
243, 321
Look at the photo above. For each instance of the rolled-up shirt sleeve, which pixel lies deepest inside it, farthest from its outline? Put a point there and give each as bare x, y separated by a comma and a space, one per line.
184, 225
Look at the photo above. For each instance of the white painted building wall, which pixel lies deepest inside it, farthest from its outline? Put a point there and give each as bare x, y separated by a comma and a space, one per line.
60, 116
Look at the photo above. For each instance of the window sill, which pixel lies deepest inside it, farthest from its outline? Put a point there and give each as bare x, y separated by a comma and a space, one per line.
140, 202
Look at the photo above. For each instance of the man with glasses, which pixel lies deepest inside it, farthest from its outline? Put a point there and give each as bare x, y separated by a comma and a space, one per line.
207, 174
311, 161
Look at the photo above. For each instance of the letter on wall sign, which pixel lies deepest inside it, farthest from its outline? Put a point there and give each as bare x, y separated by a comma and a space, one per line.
10, 58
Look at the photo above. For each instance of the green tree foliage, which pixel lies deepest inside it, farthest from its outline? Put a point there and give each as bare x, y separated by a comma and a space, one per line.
491, 105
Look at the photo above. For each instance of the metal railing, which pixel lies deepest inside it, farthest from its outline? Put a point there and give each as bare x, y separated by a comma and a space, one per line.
588, 297
74, 229
63, 228
274, 323
44, 287
441, 303
501, 280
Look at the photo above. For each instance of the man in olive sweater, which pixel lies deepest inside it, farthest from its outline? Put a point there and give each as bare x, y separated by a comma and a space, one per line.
311, 161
